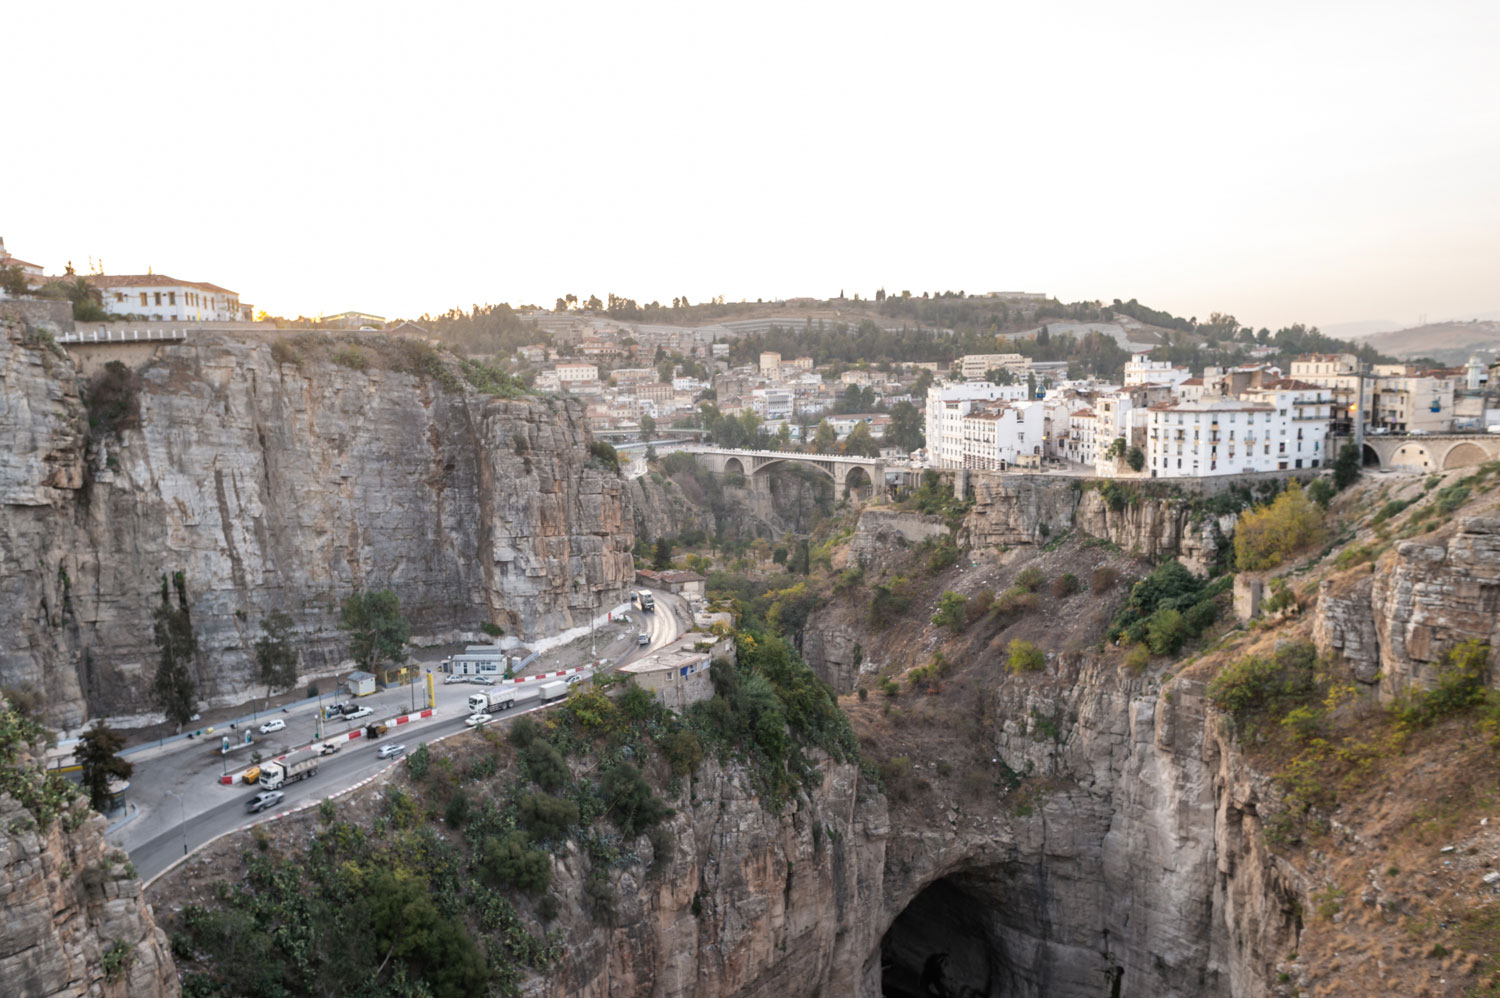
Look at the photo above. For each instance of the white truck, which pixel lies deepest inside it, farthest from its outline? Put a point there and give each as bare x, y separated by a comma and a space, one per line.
643, 599
504, 698
554, 691
297, 766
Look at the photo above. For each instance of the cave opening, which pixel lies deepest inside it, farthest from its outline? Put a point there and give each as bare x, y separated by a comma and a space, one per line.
944, 944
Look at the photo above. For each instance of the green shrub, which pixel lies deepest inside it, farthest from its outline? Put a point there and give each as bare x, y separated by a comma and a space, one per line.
1460, 685
510, 860
1030, 579
1167, 632
1390, 509
1255, 686
889, 686
351, 357
979, 605
944, 555
629, 801
1023, 656
545, 817
1448, 499
524, 731
417, 763
1321, 491
683, 751
457, 811
545, 766
1014, 601
1137, 659
1064, 585
605, 454
1169, 586
951, 611
113, 400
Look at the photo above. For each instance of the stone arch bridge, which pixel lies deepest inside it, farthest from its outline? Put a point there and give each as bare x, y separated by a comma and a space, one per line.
1431, 452
846, 472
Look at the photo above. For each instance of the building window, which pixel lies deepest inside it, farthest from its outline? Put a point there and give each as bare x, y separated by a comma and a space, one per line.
143, 298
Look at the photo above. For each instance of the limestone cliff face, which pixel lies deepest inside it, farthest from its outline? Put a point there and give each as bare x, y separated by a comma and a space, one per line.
1027, 509
276, 486
752, 904
1392, 623
662, 510
67, 904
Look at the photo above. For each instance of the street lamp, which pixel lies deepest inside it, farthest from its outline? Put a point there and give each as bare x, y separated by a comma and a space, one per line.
182, 823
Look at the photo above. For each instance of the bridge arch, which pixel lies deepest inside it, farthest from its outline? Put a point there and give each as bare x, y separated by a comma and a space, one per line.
1463, 455
734, 466
1370, 458
1411, 455
858, 483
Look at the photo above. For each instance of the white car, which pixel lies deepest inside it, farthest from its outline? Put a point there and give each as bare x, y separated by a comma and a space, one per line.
263, 800
330, 748
475, 720
275, 724
387, 751
357, 714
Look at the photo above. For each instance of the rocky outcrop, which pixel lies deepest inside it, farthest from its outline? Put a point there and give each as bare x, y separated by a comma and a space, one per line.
662, 510
75, 923
751, 904
883, 538
1392, 623
1028, 509
285, 486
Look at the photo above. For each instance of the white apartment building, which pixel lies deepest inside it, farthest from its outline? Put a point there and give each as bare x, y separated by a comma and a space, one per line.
1078, 443
947, 404
773, 403
1142, 370
1237, 436
167, 299
1116, 414
844, 424
1001, 435
974, 366
576, 374
1304, 417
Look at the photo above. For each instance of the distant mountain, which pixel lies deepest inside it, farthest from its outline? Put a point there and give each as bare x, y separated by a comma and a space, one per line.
1359, 330
1446, 342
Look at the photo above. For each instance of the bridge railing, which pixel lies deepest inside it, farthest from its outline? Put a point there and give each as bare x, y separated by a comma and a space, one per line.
124, 336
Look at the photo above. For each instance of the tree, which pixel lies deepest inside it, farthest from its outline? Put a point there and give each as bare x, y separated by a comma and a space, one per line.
860, 442
1116, 450
905, 429
662, 559
1267, 535
13, 282
377, 631
783, 437
800, 562
1024, 657
648, 426
1030, 385
1135, 458
98, 753
172, 629
826, 439
275, 653
1321, 491
1346, 467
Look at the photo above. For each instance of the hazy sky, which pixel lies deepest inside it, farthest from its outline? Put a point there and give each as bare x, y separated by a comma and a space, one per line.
1321, 162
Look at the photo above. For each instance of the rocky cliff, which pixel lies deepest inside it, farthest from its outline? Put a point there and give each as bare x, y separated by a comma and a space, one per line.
284, 479
75, 923
1028, 509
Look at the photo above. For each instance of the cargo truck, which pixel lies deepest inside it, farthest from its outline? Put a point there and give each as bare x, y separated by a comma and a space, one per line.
554, 691
297, 766
494, 701
643, 599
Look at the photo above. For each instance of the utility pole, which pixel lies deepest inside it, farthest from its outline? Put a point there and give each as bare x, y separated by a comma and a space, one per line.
1357, 410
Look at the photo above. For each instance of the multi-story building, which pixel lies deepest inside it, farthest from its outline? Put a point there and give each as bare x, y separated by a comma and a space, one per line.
1278, 428
1142, 370
1407, 400
974, 366
1304, 416
1118, 415
167, 299
947, 404
1078, 444
770, 364
1001, 435
845, 423
576, 374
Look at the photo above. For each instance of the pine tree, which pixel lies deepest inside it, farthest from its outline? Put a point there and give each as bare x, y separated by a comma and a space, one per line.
98, 753
172, 629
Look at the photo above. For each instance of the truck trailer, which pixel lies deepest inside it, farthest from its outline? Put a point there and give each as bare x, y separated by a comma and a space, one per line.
297, 766
494, 701
643, 599
553, 691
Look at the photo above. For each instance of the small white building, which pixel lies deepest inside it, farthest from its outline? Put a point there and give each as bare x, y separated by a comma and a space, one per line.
974, 366
1142, 370
167, 299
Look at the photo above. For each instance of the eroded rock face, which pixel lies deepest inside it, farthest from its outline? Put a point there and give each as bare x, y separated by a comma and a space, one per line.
66, 905
282, 487
1029, 509
1393, 624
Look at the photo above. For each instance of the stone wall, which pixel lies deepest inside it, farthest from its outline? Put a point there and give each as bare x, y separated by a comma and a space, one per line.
51, 315
280, 486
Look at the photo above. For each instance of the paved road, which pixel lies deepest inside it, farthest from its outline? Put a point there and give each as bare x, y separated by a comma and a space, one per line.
183, 806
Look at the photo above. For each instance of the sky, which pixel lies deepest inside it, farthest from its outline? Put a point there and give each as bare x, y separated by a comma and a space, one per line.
1319, 162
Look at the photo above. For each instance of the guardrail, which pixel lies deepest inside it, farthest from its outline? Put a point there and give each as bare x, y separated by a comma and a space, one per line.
123, 336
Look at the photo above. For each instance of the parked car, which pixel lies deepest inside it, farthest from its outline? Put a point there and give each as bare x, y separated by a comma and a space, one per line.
252, 775
329, 748
482, 680
387, 751
475, 720
356, 715
263, 800
275, 724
